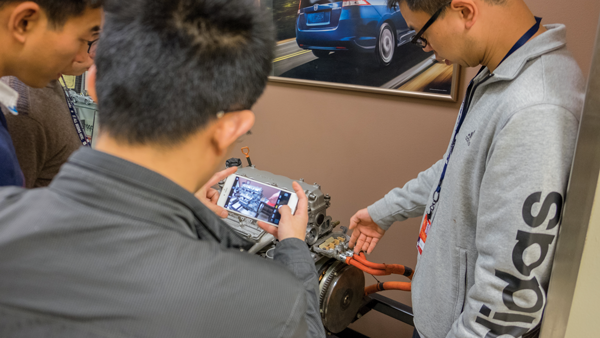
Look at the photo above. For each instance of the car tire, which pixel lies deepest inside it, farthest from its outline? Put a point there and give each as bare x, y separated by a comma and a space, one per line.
386, 45
321, 53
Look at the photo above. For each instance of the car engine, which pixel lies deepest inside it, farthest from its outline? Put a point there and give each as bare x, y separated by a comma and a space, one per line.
248, 199
341, 286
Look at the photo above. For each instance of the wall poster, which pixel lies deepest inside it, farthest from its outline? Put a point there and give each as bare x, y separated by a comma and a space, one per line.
356, 45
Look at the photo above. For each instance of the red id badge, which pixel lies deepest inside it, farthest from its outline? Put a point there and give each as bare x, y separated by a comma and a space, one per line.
423, 234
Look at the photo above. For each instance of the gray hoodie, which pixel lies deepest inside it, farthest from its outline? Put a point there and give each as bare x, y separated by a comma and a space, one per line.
486, 263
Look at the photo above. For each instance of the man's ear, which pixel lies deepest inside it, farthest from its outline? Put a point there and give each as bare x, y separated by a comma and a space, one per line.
468, 11
230, 128
91, 83
23, 19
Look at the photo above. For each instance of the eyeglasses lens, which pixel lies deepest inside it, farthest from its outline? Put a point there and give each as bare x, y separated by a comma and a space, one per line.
93, 47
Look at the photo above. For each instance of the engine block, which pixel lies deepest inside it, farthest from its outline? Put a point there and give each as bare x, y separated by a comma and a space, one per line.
341, 286
319, 223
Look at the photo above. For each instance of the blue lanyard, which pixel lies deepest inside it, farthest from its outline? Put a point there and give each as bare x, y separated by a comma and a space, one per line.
523, 40
75, 118
465, 107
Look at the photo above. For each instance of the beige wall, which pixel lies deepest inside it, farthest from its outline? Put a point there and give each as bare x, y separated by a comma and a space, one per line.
584, 309
358, 146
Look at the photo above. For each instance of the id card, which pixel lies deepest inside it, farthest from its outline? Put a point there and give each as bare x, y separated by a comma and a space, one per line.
423, 234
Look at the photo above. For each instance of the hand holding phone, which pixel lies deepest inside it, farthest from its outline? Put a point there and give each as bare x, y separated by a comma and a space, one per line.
290, 226
249, 198
209, 196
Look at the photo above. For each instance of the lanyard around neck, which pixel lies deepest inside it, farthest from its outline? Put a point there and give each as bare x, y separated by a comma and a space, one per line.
523, 40
465, 107
74, 117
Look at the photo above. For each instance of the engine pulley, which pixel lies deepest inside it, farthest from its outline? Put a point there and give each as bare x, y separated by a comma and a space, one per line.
341, 293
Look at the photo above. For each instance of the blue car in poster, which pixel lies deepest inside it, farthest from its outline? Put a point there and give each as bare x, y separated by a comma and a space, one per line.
366, 26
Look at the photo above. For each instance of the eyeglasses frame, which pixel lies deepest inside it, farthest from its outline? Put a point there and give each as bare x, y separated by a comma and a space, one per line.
420, 41
90, 44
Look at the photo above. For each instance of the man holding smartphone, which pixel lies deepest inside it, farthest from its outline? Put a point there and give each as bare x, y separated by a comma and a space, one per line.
492, 205
118, 245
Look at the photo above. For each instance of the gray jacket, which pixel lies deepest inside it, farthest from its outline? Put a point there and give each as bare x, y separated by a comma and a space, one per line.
112, 249
486, 262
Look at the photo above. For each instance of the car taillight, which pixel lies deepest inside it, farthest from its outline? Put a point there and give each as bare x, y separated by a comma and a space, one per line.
355, 3
299, 4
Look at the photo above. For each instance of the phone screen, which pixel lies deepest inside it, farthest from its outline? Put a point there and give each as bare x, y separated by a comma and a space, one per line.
256, 200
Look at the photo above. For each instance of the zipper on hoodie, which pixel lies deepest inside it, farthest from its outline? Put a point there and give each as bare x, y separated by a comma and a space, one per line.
463, 114
472, 92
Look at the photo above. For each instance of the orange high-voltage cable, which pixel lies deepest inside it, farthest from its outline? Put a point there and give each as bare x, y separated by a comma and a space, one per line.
403, 286
377, 269
388, 268
361, 262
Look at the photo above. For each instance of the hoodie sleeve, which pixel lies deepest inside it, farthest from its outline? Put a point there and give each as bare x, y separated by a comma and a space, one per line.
520, 206
407, 202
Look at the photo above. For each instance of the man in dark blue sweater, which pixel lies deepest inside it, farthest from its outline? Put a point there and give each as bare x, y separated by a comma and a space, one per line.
40, 39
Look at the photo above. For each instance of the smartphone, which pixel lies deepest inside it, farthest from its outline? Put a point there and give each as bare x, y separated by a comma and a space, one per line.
256, 200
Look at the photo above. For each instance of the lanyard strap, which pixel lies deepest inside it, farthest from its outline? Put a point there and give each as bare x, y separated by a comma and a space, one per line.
461, 118
523, 40
465, 107
75, 117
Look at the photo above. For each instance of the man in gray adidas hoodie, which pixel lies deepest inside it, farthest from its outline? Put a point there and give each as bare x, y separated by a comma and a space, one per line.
492, 205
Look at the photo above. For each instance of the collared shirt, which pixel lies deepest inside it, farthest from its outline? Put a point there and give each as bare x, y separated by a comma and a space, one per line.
112, 249
10, 172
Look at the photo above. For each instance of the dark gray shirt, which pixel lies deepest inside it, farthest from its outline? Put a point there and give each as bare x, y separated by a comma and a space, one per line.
111, 249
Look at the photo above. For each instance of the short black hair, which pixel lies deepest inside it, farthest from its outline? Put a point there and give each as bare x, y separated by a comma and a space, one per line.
59, 11
167, 67
431, 6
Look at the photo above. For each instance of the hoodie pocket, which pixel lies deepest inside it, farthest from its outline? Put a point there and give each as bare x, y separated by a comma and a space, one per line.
461, 283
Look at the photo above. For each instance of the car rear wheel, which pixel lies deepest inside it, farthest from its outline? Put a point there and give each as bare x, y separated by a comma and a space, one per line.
386, 45
321, 53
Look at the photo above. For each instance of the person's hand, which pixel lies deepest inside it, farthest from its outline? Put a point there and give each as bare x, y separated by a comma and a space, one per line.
291, 226
365, 234
209, 196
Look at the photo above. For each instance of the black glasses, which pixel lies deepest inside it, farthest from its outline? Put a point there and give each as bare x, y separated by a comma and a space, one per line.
92, 45
418, 40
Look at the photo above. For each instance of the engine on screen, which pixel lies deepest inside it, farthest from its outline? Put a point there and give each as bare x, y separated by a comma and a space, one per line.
257, 200
341, 286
